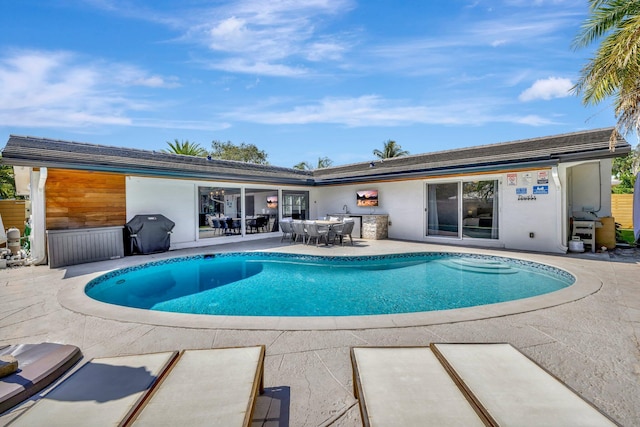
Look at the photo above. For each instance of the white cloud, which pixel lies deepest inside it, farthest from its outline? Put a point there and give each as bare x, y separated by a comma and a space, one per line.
61, 90
553, 87
373, 110
263, 35
239, 65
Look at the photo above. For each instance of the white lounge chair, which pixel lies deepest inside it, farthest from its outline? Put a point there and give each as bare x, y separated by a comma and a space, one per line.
407, 386
512, 390
194, 387
464, 384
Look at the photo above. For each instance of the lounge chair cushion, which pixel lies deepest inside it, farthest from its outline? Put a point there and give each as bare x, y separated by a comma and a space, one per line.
216, 387
38, 366
406, 386
511, 389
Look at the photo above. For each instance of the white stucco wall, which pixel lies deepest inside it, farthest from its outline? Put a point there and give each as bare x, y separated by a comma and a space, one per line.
402, 201
175, 199
405, 204
521, 212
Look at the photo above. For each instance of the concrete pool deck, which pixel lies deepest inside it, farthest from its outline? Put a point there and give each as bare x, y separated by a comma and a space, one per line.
588, 337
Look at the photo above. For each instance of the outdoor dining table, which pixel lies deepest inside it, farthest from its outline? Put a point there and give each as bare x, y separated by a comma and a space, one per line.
328, 223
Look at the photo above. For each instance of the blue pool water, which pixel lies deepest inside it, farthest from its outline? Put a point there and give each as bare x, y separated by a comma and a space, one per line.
274, 284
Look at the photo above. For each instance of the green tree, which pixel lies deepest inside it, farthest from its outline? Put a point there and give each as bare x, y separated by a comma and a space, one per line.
247, 153
390, 149
626, 170
7, 182
186, 148
323, 162
614, 71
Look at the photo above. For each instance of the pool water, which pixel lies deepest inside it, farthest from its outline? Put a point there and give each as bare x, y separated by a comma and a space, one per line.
275, 284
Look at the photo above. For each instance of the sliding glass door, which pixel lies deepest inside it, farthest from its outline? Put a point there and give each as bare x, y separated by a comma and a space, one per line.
442, 210
480, 209
464, 209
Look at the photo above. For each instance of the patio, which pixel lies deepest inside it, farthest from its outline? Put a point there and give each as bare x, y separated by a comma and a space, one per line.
592, 343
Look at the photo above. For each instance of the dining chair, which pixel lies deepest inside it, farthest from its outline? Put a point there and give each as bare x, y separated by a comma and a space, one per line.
315, 232
344, 229
299, 231
287, 230
252, 224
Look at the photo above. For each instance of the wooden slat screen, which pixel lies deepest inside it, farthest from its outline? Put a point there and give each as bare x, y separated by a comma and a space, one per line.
622, 210
14, 213
81, 199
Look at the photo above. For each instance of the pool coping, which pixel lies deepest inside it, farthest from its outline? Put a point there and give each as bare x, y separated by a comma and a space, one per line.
72, 297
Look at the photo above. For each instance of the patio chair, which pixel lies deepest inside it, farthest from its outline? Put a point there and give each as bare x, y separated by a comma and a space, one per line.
299, 231
287, 230
342, 230
314, 231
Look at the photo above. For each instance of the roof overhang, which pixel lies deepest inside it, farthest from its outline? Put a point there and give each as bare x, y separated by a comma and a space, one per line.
515, 155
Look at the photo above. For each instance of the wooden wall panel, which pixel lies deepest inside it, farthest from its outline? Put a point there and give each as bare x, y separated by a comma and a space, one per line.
622, 210
81, 199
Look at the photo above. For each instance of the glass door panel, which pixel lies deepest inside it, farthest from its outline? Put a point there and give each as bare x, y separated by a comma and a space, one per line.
442, 210
261, 210
217, 212
480, 209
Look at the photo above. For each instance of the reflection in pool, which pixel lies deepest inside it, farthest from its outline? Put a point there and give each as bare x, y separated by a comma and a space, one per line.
274, 284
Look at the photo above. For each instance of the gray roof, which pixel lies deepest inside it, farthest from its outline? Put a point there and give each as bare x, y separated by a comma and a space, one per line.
537, 152
42, 152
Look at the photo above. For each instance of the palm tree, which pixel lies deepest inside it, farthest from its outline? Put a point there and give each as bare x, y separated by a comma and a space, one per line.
391, 149
323, 162
186, 148
615, 69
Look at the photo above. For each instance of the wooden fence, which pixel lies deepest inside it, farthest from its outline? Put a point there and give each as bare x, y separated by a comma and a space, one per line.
14, 213
622, 210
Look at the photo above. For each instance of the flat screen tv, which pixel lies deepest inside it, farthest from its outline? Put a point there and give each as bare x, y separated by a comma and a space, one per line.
272, 202
367, 198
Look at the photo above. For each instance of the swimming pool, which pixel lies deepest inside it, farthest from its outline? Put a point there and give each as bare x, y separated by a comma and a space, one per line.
277, 284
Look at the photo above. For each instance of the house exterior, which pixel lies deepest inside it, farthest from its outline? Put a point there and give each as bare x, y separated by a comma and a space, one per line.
516, 195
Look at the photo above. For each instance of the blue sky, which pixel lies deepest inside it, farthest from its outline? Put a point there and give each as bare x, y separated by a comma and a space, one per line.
299, 79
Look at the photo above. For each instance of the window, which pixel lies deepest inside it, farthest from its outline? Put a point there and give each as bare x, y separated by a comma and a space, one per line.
294, 204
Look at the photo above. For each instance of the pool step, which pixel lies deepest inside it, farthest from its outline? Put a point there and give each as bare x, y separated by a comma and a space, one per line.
479, 266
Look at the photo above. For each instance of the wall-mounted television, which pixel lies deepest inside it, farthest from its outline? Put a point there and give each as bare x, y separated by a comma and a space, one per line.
367, 198
272, 202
